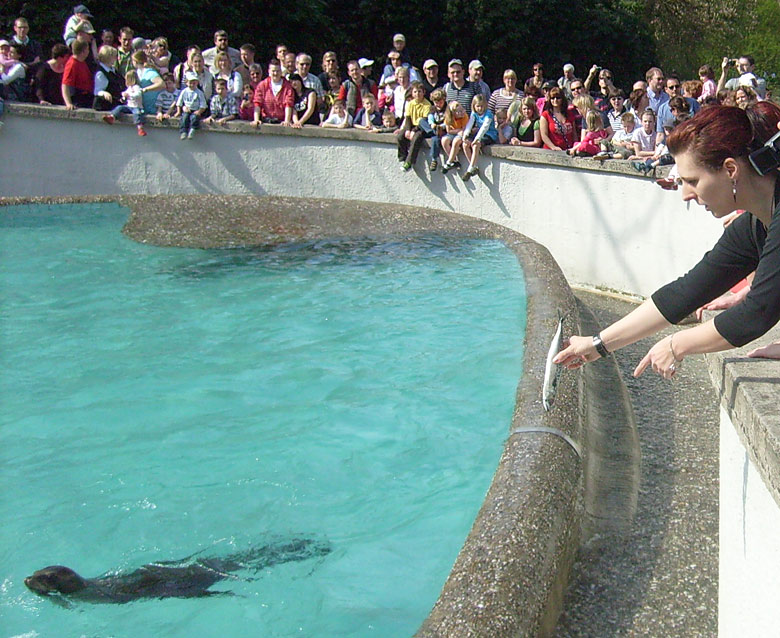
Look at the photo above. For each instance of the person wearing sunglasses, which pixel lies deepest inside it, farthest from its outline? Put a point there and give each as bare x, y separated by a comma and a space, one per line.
557, 124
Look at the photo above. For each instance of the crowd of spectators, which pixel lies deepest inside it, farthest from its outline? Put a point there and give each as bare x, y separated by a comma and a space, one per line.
458, 113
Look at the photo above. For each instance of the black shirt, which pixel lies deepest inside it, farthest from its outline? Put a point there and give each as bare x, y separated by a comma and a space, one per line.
745, 246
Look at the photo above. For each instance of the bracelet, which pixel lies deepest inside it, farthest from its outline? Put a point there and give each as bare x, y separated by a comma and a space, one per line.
671, 349
599, 345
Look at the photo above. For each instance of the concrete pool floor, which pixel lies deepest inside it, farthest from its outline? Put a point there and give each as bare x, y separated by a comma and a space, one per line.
660, 577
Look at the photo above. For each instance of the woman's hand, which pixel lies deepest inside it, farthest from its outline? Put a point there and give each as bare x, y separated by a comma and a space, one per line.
661, 359
576, 352
724, 301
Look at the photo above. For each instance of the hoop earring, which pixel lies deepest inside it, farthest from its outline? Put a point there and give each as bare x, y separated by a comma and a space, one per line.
734, 189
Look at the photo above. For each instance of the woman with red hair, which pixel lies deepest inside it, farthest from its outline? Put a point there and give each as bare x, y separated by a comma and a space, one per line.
712, 153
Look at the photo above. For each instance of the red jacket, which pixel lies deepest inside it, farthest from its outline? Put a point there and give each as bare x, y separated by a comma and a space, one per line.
271, 105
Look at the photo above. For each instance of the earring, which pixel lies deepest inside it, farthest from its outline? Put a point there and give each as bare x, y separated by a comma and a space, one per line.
734, 189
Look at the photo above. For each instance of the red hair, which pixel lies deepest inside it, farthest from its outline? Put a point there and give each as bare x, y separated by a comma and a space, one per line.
719, 132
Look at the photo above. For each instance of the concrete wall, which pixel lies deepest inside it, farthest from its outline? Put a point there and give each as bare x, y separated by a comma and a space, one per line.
604, 226
749, 550
749, 491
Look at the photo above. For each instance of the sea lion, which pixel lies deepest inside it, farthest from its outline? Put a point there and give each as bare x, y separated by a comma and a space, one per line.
186, 578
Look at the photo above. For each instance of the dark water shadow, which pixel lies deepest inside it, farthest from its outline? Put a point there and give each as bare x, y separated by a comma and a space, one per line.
321, 253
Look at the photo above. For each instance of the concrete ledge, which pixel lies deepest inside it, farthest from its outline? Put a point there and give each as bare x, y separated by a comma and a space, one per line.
749, 390
511, 153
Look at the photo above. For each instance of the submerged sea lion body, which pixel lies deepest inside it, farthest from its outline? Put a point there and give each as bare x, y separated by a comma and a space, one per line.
178, 579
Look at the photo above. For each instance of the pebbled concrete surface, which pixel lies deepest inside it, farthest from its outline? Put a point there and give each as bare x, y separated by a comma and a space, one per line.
659, 577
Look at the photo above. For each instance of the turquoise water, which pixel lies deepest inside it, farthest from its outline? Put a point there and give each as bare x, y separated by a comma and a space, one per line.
157, 402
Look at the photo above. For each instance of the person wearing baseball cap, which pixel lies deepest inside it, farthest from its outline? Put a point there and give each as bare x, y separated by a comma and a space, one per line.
80, 14
459, 88
399, 44
476, 70
431, 80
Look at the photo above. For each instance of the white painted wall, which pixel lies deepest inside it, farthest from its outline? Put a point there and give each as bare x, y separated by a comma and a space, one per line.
749, 568
607, 229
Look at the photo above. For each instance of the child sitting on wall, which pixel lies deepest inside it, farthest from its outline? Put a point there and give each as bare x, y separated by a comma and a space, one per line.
368, 118
190, 105
389, 122
434, 126
410, 135
455, 120
166, 99
479, 132
620, 146
246, 109
338, 118
133, 98
592, 135
223, 105
504, 126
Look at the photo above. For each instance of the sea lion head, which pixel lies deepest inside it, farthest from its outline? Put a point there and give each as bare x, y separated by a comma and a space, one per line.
55, 579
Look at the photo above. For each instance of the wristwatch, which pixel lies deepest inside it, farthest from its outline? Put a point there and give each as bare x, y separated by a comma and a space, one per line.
599, 345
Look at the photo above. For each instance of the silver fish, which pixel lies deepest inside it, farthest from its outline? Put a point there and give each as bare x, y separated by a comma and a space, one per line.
552, 371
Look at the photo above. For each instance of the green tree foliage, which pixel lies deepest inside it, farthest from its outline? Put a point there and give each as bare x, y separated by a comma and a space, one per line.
762, 41
502, 34
690, 33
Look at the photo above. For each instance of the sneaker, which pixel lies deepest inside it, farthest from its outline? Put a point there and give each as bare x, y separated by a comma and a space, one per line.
640, 166
667, 184
601, 156
455, 164
141, 131
183, 136
406, 166
467, 175
191, 134
109, 119
445, 167
434, 165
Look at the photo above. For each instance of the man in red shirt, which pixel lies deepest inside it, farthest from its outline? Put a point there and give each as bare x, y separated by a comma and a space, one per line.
77, 81
274, 98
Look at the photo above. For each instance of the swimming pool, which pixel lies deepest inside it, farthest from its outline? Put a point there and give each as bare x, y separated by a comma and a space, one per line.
159, 402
